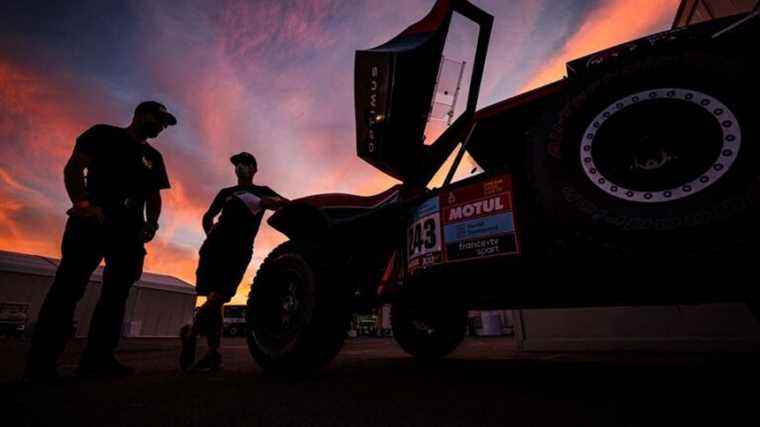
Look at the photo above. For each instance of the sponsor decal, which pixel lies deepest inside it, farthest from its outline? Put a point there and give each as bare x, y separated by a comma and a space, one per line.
496, 185
484, 207
426, 208
482, 227
478, 248
470, 222
478, 220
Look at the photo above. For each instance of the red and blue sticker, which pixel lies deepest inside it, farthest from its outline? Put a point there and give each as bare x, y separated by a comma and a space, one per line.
471, 222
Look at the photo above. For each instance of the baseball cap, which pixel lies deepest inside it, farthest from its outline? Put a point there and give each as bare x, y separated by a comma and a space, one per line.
246, 158
157, 108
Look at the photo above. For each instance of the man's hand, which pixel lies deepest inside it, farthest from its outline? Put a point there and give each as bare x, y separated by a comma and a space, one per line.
148, 232
83, 209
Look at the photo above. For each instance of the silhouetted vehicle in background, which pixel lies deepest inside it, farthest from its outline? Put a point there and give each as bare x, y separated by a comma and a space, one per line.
234, 324
632, 181
13, 318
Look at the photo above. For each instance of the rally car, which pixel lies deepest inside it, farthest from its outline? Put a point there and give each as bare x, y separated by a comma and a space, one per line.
632, 181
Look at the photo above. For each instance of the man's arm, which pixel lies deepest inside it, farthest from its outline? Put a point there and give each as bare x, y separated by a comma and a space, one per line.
73, 179
212, 212
208, 221
153, 207
152, 213
73, 176
272, 200
153, 195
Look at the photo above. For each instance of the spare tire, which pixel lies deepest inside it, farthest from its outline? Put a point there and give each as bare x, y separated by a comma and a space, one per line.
654, 157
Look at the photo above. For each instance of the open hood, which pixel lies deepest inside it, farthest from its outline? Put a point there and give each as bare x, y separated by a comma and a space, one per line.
395, 89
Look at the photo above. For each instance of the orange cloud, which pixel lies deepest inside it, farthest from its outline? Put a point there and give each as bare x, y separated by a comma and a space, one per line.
30, 111
11, 235
37, 130
171, 259
615, 22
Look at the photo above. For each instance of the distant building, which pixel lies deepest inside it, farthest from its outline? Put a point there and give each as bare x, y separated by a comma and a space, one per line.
158, 305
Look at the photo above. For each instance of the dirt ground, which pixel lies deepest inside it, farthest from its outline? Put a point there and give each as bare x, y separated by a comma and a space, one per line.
373, 383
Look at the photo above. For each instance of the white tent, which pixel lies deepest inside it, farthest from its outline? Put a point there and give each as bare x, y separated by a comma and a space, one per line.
158, 305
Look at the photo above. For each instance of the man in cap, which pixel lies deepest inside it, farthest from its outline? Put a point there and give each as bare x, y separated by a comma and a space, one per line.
113, 179
224, 257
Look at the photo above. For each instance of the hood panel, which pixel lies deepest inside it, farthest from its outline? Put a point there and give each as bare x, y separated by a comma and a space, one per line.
394, 86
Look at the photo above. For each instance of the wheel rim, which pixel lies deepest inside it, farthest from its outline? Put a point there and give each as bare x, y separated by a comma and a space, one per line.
283, 311
641, 147
423, 328
422, 323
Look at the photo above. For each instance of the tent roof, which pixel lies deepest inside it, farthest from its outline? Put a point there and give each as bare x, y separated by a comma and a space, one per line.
43, 266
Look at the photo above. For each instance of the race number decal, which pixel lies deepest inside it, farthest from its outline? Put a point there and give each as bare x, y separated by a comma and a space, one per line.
423, 236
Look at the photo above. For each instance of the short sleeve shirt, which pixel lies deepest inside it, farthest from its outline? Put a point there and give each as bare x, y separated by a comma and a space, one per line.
122, 171
241, 213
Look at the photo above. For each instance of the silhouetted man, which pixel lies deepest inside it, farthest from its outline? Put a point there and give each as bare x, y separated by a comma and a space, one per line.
224, 257
116, 206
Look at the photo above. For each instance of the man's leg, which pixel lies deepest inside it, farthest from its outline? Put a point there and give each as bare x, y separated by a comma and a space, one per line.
81, 254
188, 334
209, 320
213, 277
123, 268
215, 320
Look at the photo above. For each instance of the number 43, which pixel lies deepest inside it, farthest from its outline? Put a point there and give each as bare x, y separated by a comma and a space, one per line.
422, 235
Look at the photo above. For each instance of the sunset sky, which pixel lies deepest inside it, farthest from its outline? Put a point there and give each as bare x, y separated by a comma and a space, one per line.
273, 77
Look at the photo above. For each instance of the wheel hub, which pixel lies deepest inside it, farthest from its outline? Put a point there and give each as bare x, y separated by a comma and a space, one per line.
289, 305
282, 311
651, 162
423, 328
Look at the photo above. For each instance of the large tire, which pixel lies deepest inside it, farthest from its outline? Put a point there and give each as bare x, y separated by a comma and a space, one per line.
298, 312
656, 157
427, 330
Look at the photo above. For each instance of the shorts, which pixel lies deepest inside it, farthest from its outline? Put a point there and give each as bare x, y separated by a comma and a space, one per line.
221, 268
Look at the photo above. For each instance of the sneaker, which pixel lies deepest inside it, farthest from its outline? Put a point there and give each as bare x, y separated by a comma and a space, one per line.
187, 354
105, 367
211, 362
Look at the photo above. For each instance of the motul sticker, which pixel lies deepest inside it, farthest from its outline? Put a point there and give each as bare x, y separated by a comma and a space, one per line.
478, 220
479, 208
